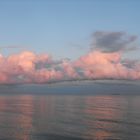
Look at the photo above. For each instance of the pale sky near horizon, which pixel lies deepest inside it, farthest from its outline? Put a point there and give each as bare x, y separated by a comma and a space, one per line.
63, 28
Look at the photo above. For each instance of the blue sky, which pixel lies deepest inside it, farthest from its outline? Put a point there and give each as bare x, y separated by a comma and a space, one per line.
63, 28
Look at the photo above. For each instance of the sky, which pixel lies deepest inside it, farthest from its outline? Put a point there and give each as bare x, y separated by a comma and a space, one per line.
52, 40
59, 27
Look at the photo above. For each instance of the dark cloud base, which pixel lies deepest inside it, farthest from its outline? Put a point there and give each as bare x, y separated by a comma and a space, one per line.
100, 87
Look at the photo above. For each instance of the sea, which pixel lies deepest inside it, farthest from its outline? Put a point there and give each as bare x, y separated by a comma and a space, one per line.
99, 110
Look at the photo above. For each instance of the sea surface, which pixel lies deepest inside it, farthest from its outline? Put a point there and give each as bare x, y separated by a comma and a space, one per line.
69, 116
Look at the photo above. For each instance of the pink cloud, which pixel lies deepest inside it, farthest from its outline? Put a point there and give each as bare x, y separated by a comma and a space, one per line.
101, 65
28, 67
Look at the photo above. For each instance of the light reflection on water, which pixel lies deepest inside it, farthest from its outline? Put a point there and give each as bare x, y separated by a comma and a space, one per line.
29, 117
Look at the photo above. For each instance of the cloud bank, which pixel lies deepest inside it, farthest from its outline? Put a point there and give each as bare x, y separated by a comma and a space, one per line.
104, 61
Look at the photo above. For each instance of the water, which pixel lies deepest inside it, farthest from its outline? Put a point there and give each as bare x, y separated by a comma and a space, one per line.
69, 117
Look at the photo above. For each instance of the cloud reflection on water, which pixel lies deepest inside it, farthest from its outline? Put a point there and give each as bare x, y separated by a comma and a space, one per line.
50, 117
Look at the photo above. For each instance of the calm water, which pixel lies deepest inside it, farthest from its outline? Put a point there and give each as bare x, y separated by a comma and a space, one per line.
65, 117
